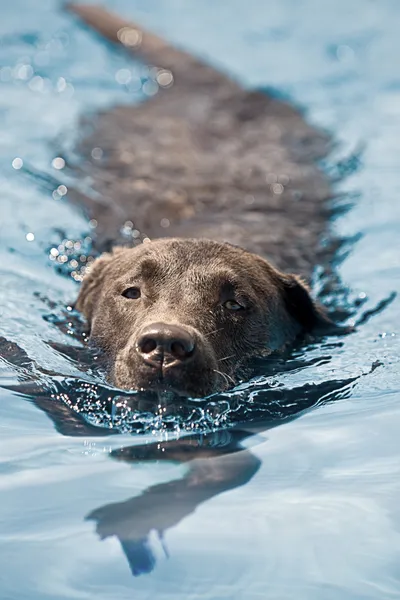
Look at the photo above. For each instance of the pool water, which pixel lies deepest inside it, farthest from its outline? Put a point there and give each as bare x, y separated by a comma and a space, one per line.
314, 512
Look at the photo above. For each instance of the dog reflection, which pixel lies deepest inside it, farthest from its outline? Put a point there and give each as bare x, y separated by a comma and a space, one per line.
217, 463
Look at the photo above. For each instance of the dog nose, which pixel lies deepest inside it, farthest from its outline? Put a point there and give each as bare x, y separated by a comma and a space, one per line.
160, 341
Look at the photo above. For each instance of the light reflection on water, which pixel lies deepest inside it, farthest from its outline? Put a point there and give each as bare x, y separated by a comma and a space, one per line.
318, 516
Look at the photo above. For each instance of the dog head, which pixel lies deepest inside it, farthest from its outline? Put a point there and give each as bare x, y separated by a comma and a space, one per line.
188, 315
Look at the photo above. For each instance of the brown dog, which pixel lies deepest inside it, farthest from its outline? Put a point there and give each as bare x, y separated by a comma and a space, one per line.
203, 158
187, 315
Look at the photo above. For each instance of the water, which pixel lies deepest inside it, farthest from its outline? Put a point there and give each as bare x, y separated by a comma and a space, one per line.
318, 515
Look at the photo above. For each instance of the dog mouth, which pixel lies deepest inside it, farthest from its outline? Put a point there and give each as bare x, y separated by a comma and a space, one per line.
184, 382
178, 381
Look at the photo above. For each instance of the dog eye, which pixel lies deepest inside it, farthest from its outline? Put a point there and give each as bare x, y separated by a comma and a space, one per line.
232, 305
133, 293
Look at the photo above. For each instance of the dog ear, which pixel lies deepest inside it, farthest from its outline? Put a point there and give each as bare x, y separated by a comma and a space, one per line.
299, 304
92, 283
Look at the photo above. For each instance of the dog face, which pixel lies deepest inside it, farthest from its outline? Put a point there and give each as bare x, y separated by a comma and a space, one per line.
188, 315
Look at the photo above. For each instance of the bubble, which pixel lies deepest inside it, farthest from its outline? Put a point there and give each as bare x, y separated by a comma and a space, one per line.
36, 84
30, 237
165, 223
93, 223
135, 84
128, 36
150, 88
24, 72
277, 188
164, 78
123, 76
17, 163
62, 190
58, 163
126, 229
61, 85
97, 153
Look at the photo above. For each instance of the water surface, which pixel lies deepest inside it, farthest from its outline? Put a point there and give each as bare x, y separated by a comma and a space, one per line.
319, 519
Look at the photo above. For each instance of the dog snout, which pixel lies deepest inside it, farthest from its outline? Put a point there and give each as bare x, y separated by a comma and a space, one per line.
163, 343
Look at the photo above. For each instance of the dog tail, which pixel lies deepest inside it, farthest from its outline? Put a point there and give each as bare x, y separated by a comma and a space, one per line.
173, 66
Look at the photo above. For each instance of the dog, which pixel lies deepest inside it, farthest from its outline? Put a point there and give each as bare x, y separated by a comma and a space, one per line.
202, 158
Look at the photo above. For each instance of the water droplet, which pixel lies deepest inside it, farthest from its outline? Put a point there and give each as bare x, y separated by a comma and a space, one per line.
97, 153
123, 76
58, 163
164, 78
36, 84
61, 85
277, 188
17, 163
150, 88
23, 72
128, 36
62, 190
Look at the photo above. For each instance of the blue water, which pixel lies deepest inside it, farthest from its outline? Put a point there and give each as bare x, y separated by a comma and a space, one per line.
320, 518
